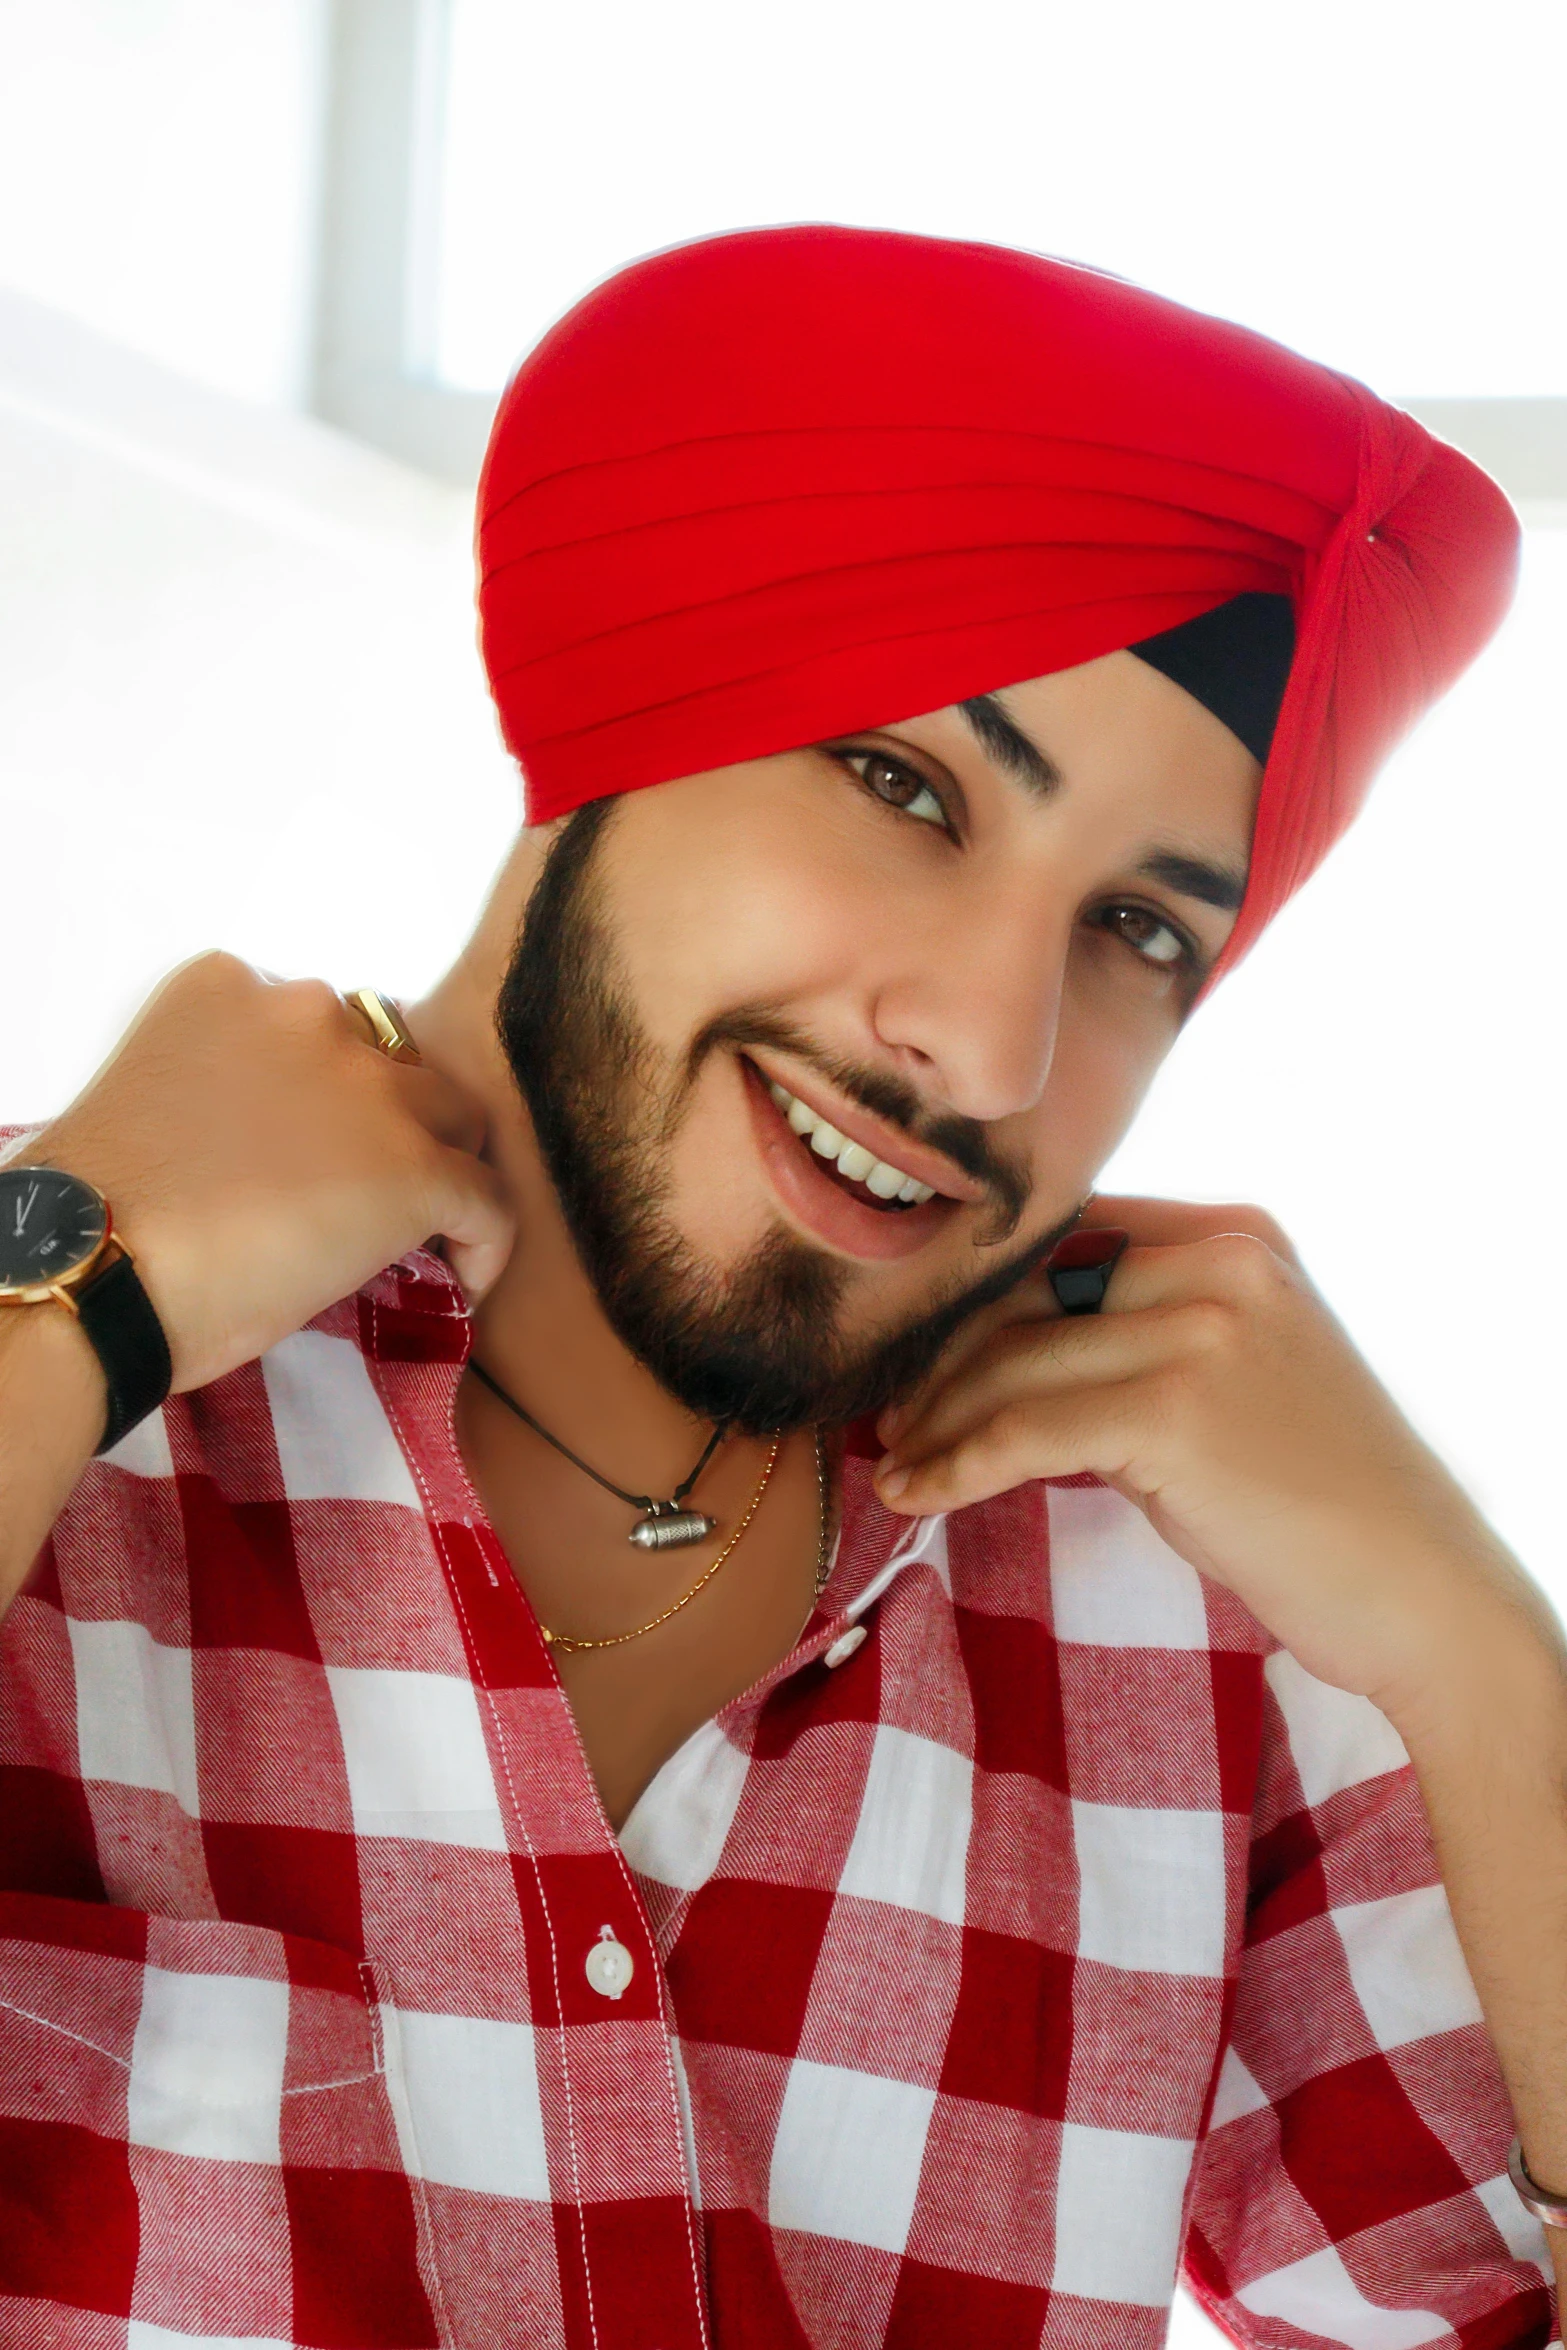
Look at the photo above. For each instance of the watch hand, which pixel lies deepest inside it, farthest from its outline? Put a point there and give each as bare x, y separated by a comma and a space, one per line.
24, 1209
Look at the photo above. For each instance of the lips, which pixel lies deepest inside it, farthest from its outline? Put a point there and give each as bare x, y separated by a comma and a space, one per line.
910, 1170
827, 1204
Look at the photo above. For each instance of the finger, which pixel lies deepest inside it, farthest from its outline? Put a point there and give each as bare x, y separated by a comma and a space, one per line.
1031, 1301
1070, 1281
1168, 1223
476, 1267
1187, 1293
469, 1209
1236, 1269
444, 1109
1045, 1359
1153, 1223
1103, 1430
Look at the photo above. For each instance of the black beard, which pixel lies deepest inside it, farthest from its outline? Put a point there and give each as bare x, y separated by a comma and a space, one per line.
755, 1347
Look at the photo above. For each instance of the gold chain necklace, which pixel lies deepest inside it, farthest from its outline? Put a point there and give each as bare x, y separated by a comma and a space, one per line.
570, 1646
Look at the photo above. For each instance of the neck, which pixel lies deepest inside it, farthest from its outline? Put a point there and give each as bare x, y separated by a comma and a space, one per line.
541, 1332
543, 1335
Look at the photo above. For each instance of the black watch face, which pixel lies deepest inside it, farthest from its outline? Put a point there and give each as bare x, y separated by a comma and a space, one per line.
49, 1224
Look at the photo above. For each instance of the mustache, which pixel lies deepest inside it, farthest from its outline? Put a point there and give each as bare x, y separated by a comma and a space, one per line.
966, 1141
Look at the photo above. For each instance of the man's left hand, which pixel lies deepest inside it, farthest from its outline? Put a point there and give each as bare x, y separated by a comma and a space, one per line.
1217, 1392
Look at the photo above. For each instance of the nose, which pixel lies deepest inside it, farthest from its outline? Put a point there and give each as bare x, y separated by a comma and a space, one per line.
972, 1005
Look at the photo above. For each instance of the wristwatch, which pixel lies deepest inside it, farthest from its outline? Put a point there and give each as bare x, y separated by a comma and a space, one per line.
58, 1247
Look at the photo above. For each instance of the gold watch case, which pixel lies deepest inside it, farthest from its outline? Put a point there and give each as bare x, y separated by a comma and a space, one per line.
94, 1222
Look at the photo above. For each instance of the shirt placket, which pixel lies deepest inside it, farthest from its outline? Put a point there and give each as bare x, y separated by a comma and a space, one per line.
623, 2209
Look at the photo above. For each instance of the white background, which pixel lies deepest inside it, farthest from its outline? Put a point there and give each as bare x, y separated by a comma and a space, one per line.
1378, 181
239, 701
158, 176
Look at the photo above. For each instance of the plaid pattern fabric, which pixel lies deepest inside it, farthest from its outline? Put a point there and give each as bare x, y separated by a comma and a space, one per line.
1034, 1927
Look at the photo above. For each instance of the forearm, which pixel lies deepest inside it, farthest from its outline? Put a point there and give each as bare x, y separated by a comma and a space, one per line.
1489, 1746
51, 1417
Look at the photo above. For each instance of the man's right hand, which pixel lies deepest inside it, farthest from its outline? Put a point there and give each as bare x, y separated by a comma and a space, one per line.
262, 1160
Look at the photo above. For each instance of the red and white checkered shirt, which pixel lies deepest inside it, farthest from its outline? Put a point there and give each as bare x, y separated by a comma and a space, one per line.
1035, 1927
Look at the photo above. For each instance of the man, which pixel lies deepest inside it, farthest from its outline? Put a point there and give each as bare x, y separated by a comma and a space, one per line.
924, 1884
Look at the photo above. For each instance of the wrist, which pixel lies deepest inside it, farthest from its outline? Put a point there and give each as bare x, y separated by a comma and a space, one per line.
1497, 1686
155, 1238
53, 1403
1488, 1743
48, 1367
1477, 1644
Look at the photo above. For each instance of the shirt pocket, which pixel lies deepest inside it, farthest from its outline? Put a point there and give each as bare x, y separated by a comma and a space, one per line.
195, 2130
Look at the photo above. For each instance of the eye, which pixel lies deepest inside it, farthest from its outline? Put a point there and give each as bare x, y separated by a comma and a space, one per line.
1149, 935
896, 785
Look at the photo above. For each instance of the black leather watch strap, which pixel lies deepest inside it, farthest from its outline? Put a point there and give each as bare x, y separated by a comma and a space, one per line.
127, 1337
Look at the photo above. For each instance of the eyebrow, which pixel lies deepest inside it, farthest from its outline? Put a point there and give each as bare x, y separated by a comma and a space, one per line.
1015, 752
1194, 877
1018, 754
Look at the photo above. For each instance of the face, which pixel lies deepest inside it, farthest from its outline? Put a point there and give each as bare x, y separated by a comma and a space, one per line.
824, 1050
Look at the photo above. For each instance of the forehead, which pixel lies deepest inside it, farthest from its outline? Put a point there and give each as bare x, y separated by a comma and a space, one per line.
1110, 730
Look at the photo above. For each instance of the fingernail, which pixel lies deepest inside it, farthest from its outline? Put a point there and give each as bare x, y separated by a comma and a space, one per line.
891, 1483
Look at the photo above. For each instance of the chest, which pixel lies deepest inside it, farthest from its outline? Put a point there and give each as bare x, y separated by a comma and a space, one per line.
647, 1650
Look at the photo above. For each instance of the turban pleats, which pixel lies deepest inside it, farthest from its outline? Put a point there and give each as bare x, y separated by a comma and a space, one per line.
785, 485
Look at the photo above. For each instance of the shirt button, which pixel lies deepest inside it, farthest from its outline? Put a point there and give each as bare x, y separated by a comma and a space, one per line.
845, 1645
610, 1965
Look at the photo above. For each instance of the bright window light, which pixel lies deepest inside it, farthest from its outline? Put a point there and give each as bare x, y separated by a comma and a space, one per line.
157, 174
1379, 185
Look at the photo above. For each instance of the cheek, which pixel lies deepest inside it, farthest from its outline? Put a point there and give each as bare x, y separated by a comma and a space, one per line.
1110, 1045
717, 1200
717, 900
752, 908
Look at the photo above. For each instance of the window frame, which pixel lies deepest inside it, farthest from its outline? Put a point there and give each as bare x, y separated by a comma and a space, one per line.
374, 367
374, 373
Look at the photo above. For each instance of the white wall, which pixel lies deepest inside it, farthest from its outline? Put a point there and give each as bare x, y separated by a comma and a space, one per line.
158, 178
239, 700
1375, 182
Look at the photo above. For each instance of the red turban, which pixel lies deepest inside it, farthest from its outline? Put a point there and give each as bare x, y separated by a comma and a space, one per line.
784, 485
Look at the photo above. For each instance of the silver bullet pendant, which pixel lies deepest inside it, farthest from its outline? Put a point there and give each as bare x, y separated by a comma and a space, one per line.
668, 1529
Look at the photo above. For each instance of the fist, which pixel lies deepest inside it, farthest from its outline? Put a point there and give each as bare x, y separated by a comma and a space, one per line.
262, 1160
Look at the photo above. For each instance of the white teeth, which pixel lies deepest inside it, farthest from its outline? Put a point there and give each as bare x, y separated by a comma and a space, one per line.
881, 1179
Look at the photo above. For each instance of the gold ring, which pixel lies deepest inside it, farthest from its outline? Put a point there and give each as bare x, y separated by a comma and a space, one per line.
388, 1030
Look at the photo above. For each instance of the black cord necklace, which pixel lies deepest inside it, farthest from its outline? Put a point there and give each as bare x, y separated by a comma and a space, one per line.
664, 1525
